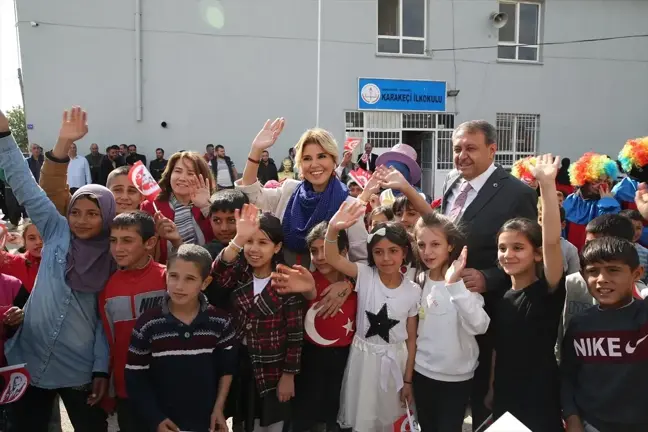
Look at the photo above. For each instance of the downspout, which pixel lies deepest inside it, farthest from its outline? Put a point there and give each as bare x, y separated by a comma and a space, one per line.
138, 60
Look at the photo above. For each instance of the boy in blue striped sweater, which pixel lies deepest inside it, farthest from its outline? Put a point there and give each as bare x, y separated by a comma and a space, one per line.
183, 354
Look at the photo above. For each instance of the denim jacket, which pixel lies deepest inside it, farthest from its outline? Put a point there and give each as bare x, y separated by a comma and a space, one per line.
61, 339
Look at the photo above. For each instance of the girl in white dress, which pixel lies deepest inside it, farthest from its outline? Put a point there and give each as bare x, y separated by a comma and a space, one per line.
378, 375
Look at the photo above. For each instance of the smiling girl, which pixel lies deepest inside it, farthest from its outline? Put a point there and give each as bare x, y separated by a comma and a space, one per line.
187, 185
525, 379
271, 325
24, 266
62, 339
449, 319
378, 375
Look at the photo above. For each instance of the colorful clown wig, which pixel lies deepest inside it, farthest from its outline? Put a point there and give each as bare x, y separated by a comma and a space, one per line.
634, 156
592, 167
522, 169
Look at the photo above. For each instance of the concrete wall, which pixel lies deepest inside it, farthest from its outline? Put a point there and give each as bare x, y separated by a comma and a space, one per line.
219, 85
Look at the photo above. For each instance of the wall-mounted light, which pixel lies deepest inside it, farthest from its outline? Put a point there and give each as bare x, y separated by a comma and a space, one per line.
452, 93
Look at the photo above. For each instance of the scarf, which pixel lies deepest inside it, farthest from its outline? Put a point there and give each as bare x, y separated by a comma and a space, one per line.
89, 263
184, 220
306, 208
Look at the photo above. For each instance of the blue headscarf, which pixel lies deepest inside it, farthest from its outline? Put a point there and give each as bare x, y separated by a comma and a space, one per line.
306, 208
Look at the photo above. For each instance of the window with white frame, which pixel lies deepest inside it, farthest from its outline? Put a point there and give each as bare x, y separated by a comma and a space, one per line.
519, 39
517, 137
402, 26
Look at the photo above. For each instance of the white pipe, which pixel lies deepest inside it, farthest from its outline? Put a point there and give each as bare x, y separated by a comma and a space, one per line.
319, 59
138, 60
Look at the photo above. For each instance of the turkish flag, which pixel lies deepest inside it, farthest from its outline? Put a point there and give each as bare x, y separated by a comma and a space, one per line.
406, 423
360, 176
351, 143
144, 181
14, 380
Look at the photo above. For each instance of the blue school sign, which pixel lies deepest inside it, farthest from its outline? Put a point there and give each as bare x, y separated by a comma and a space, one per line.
375, 94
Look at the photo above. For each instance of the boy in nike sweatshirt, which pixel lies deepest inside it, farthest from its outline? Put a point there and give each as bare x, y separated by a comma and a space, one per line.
605, 360
138, 285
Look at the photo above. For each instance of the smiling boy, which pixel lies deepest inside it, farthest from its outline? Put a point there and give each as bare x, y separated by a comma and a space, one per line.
127, 197
605, 359
138, 285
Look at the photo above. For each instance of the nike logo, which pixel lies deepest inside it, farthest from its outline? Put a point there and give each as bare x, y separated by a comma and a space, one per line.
630, 349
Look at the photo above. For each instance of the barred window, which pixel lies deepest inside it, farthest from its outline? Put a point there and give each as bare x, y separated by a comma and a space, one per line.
517, 137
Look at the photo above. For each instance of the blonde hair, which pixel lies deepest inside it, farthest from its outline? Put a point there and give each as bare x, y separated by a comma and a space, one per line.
316, 136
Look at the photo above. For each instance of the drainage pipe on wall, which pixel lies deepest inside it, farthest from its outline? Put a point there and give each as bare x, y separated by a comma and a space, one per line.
138, 60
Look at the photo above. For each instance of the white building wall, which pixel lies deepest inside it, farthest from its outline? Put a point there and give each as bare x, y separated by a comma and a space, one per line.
219, 85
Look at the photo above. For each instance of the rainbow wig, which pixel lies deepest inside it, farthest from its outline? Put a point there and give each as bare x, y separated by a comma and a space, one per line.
592, 167
634, 158
522, 169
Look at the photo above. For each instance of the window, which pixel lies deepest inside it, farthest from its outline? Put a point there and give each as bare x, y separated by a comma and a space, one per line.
519, 39
401, 26
517, 137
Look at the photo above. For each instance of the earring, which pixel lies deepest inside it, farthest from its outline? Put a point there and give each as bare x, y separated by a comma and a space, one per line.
403, 269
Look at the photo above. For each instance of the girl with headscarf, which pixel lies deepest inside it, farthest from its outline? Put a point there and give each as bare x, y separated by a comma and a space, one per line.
301, 205
62, 340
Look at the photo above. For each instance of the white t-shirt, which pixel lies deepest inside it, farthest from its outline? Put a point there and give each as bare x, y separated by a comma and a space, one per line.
401, 303
223, 177
259, 284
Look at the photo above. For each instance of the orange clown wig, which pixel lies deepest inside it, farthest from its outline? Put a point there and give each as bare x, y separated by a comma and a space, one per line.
591, 168
522, 169
634, 154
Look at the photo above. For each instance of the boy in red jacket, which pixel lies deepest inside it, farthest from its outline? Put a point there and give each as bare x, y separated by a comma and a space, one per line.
138, 285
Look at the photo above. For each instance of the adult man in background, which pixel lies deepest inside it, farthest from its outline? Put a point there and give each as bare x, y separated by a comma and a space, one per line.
223, 168
267, 169
133, 156
481, 197
123, 150
78, 171
94, 159
35, 161
158, 165
367, 160
209, 154
111, 161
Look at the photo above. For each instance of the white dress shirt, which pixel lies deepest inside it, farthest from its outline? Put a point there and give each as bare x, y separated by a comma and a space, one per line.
78, 172
477, 183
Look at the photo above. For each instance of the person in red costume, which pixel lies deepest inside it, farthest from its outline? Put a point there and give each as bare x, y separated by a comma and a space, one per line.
592, 175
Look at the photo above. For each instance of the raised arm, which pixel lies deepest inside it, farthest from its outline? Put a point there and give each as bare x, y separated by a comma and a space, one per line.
41, 210
545, 172
391, 178
264, 140
53, 178
345, 217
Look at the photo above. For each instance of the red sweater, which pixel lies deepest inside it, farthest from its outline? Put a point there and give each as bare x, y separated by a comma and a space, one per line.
127, 295
168, 212
23, 267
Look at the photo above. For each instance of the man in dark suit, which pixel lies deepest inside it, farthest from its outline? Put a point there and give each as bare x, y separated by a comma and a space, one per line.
367, 160
481, 196
111, 160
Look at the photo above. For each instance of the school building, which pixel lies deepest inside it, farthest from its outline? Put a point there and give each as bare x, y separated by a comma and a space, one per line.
562, 76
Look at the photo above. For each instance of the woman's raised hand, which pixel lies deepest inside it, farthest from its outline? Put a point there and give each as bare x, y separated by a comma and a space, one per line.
269, 134
200, 191
453, 274
247, 222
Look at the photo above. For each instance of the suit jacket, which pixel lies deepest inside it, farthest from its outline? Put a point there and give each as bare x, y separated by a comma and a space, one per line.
503, 197
107, 167
372, 162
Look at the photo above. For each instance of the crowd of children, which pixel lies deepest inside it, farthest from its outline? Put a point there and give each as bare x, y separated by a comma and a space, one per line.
302, 308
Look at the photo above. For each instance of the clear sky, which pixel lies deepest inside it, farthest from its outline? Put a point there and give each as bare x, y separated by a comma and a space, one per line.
9, 85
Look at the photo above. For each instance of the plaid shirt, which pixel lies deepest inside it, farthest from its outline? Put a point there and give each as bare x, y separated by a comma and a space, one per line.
273, 325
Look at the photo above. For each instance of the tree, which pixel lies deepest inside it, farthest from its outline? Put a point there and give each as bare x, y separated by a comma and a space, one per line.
16, 117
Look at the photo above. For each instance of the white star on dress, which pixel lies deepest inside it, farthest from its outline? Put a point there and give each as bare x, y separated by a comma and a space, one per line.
348, 326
